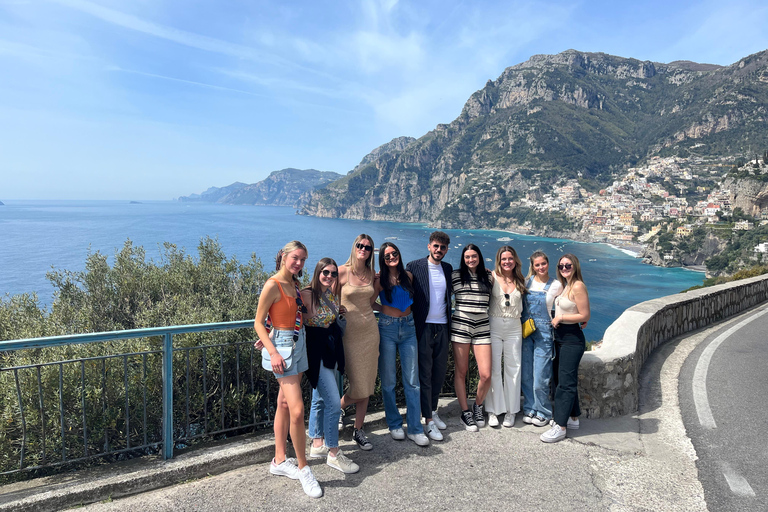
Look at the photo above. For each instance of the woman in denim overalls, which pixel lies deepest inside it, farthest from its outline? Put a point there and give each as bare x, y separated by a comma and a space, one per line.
538, 347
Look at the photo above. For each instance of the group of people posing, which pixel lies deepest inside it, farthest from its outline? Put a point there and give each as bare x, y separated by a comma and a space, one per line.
330, 328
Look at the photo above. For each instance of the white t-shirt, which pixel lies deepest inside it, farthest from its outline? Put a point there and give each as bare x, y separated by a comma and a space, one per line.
554, 290
437, 287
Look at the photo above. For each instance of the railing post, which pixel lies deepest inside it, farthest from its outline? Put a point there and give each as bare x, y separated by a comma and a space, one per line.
167, 396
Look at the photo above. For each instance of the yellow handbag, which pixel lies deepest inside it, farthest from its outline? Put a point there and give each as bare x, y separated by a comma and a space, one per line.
528, 327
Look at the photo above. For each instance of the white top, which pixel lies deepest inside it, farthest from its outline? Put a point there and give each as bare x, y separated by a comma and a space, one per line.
565, 306
499, 302
437, 288
554, 290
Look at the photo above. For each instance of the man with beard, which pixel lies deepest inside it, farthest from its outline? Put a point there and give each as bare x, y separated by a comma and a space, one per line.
432, 314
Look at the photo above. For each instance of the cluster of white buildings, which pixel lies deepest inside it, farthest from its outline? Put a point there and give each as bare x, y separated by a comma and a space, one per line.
641, 195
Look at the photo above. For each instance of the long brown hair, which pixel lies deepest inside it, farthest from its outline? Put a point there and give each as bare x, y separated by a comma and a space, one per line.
314, 285
576, 269
517, 272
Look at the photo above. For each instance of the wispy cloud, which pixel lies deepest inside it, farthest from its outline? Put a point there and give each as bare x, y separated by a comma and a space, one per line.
181, 80
183, 37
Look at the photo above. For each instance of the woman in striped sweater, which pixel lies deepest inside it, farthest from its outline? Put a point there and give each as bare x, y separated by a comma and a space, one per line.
470, 329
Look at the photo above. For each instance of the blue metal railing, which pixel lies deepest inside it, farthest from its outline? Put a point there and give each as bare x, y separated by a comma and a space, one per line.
132, 364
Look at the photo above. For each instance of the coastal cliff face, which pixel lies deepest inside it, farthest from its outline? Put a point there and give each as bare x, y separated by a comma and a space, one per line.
749, 194
574, 115
281, 188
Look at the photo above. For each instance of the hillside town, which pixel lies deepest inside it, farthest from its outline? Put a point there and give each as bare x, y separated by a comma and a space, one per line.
667, 195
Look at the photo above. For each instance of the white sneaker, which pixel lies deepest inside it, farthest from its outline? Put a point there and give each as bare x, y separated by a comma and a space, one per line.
286, 468
318, 452
397, 434
419, 439
509, 420
572, 424
440, 423
309, 483
493, 420
433, 432
554, 434
342, 463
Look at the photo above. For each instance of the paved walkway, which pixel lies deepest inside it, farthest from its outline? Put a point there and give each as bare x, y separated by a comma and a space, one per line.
639, 462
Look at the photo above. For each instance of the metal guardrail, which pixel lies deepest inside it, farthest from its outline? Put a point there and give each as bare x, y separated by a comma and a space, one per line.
93, 373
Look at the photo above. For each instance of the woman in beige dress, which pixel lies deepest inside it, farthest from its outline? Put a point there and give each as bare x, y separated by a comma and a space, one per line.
361, 338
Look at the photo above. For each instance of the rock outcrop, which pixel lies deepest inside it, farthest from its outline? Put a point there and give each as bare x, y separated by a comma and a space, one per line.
573, 115
281, 188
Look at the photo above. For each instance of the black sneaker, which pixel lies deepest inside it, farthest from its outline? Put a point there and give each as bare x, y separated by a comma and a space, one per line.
361, 440
528, 418
478, 412
468, 421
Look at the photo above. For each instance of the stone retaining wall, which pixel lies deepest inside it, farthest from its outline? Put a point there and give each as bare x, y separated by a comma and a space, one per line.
608, 376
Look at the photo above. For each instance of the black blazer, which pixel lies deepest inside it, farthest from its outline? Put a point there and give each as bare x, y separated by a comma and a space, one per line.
420, 273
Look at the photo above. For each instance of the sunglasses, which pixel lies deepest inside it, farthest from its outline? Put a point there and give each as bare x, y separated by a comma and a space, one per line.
440, 246
565, 266
506, 296
301, 305
363, 247
391, 256
331, 273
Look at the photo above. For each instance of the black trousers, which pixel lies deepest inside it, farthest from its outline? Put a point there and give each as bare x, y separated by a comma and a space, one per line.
433, 363
569, 347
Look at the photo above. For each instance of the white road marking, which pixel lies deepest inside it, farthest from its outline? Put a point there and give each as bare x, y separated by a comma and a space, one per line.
738, 484
700, 399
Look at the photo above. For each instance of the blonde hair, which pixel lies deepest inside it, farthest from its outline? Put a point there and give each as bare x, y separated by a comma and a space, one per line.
536, 254
369, 263
289, 248
517, 272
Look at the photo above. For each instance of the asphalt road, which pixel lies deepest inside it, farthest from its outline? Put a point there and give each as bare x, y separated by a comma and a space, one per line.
723, 390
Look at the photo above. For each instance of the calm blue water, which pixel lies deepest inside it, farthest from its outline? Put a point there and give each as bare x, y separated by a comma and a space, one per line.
36, 236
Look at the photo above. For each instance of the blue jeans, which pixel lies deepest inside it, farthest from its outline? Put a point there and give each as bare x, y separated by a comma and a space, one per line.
326, 408
537, 371
399, 334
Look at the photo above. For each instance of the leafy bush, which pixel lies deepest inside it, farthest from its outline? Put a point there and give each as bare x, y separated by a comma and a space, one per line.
63, 404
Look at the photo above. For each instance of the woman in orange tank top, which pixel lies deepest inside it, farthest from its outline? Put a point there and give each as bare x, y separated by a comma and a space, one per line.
282, 302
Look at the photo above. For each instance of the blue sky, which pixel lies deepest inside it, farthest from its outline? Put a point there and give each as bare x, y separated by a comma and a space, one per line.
153, 99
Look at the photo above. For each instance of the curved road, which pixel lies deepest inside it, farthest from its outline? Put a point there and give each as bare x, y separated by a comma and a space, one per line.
723, 390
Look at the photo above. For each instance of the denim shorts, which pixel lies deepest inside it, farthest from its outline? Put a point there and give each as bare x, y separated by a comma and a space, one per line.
284, 338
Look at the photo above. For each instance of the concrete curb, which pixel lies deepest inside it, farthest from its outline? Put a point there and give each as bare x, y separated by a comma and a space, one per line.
120, 479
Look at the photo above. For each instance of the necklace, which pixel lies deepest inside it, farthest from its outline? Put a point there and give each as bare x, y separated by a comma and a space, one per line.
364, 278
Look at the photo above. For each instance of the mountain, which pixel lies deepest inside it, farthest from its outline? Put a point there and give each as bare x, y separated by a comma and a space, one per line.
281, 188
213, 194
574, 115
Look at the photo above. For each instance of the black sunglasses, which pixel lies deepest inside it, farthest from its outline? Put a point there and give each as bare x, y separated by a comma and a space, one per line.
440, 246
391, 256
506, 296
565, 266
331, 273
363, 247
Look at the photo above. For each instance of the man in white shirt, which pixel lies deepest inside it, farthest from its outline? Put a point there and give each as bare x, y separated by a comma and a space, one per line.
432, 314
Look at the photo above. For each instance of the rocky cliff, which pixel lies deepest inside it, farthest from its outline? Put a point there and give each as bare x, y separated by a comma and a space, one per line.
572, 115
280, 188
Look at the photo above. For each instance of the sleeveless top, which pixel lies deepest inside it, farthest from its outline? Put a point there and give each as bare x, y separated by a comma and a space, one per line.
323, 314
283, 312
565, 306
401, 299
469, 298
499, 306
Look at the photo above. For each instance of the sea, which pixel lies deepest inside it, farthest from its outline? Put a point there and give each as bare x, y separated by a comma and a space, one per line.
38, 236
